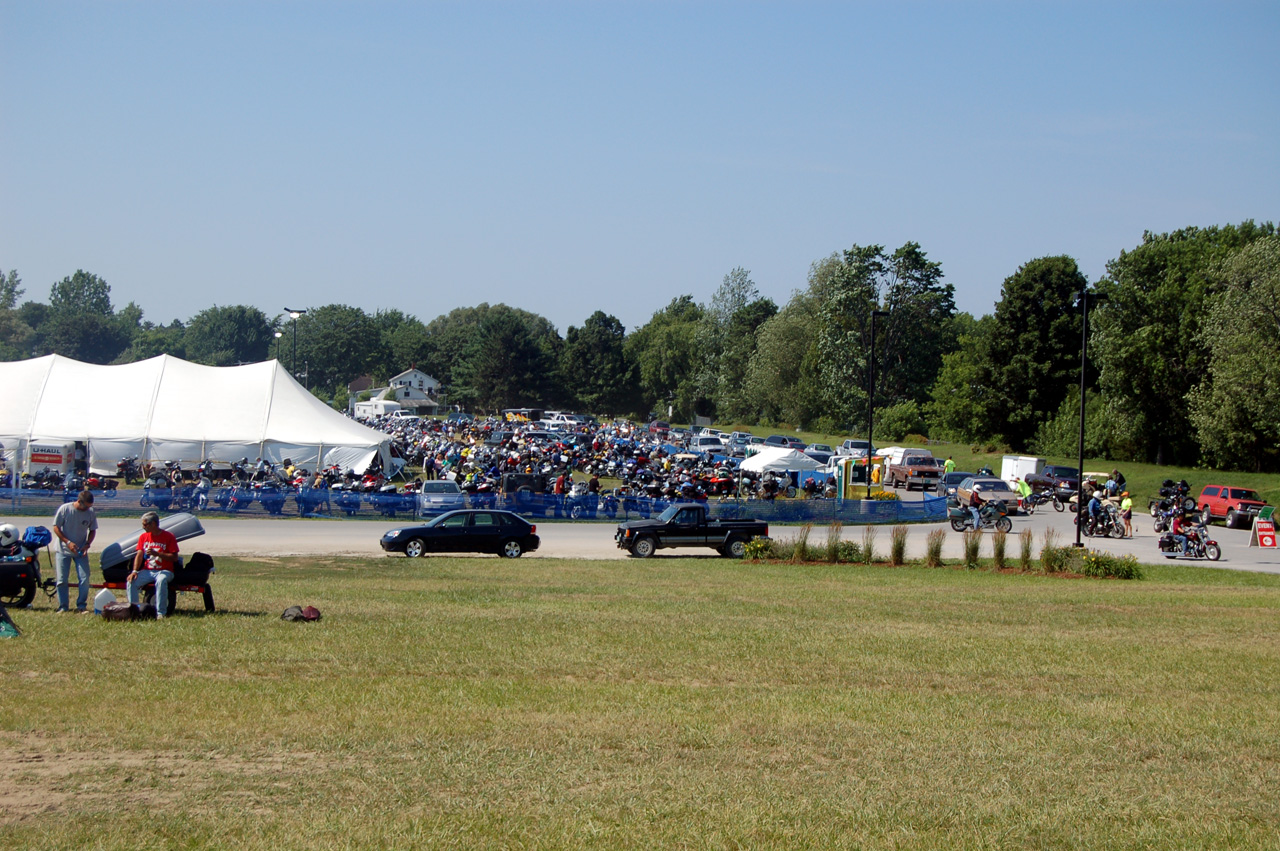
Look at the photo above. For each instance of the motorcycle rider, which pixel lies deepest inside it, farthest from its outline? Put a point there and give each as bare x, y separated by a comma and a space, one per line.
1179, 531
1095, 509
975, 504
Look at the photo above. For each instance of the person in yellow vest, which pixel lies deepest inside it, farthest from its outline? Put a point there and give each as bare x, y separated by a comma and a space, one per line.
949, 465
1126, 511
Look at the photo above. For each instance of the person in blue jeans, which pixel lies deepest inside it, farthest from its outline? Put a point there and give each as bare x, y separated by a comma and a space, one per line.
75, 524
155, 561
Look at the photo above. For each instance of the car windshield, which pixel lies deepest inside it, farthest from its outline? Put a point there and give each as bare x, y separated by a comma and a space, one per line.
1243, 493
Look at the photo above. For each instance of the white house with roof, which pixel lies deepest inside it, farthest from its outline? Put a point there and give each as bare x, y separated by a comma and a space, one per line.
414, 390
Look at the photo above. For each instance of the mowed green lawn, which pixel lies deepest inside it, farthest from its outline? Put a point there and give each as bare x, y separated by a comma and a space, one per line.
690, 703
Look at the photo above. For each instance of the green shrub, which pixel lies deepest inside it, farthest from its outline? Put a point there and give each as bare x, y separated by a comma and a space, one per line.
933, 548
759, 549
850, 553
1095, 563
898, 546
1053, 558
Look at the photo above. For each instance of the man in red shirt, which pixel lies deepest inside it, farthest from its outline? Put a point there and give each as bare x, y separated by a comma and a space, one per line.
154, 562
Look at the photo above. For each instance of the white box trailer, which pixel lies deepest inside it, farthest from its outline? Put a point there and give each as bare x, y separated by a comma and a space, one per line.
376, 408
1019, 466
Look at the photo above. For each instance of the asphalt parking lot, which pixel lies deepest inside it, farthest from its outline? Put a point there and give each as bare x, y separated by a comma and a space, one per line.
355, 537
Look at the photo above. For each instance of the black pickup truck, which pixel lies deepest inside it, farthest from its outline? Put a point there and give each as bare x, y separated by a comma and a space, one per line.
686, 525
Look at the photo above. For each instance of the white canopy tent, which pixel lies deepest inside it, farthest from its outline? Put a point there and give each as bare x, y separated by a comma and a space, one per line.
779, 459
168, 409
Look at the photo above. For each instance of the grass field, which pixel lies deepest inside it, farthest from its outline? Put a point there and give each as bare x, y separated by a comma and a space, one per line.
673, 703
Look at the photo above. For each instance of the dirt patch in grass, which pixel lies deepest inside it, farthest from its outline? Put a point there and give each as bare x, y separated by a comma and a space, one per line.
38, 779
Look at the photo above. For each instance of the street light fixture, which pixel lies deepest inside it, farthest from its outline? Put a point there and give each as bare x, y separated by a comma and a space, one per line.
1084, 297
871, 392
279, 334
293, 361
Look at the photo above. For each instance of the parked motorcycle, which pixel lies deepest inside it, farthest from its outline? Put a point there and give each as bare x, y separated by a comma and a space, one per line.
994, 515
128, 469
1199, 545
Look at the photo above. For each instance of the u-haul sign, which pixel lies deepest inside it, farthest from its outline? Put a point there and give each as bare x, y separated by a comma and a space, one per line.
51, 455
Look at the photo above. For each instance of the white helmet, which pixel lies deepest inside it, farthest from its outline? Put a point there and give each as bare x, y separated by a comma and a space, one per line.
8, 535
1097, 494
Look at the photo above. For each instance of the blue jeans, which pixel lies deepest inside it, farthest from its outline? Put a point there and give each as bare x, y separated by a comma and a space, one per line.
161, 578
62, 569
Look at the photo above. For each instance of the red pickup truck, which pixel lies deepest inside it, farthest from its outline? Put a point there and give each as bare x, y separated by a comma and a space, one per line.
1237, 506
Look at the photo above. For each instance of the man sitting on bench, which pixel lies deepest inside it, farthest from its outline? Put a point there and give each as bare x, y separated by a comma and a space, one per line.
154, 562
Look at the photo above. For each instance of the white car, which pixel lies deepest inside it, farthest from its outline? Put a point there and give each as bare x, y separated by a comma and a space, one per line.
440, 496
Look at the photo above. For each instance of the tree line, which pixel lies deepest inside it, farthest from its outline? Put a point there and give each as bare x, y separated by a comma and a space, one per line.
1181, 365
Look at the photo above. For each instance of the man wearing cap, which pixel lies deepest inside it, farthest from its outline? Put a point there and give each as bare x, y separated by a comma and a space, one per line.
155, 561
1126, 511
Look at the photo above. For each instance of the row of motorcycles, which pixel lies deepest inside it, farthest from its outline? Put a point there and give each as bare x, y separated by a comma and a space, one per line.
270, 486
69, 484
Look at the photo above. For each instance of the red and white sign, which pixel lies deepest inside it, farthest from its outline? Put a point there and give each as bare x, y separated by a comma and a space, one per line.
1264, 534
47, 455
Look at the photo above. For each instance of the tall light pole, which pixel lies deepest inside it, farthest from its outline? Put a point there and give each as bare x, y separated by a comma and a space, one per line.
1084, 297
293, 361
871, 392
279, 334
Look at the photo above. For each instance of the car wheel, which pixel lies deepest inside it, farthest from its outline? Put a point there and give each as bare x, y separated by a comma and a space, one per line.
644, 547
511, 549
1233, 519
736, 548
1206, 516
415, 548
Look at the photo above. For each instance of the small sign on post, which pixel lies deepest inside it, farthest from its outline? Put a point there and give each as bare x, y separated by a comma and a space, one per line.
1264, 530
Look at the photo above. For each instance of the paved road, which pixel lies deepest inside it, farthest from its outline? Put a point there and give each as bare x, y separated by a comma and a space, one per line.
286, 537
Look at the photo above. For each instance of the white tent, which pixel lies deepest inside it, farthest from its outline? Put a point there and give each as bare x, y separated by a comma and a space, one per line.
167, 409
779, 459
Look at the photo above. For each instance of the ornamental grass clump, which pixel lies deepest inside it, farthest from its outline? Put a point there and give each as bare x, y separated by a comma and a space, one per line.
972, 544
1027, 540
834, 532
998, 543
869, 543
800, 549
933, 548
898, 546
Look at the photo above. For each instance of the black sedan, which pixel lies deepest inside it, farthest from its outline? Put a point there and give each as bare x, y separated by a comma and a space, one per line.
468, 531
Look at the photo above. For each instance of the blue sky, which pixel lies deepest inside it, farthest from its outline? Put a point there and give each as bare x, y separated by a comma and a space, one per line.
568, 157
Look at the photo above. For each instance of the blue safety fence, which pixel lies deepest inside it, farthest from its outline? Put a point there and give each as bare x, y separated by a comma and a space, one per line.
606, 507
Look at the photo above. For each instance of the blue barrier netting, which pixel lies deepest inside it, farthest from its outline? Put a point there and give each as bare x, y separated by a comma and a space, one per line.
244, 502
